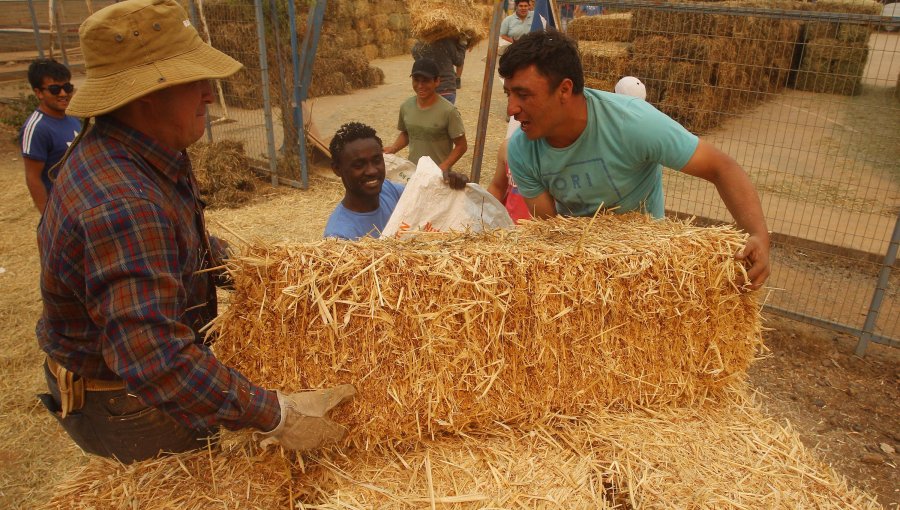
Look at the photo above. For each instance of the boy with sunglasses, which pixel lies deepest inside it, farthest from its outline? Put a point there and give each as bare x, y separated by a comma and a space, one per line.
47, 133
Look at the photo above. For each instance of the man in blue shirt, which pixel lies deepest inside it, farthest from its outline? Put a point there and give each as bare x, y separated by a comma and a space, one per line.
518, 23
357, 157
581, 149
47, 133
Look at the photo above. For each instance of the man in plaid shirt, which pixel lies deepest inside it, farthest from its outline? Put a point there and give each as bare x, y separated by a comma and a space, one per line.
125, 257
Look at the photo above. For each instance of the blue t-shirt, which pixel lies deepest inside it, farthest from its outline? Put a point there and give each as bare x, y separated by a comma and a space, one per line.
616, 161
45, 138
346, 224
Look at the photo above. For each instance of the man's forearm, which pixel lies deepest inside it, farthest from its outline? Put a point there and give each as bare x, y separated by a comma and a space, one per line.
459, 148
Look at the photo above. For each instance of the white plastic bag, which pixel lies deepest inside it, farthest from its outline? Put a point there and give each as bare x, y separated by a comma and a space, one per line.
398, 169
428, 204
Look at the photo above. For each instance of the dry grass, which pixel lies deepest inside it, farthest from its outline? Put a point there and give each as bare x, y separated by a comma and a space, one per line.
727, 457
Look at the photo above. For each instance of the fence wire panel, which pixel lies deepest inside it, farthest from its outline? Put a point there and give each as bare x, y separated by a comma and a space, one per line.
239, 110
805, 97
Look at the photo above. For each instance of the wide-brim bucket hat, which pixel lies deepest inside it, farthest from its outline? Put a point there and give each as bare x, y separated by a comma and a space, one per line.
136, 47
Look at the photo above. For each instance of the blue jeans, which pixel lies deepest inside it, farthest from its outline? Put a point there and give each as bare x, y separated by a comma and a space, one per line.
449, 96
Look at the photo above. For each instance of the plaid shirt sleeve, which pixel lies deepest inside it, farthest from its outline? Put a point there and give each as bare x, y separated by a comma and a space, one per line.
136, 297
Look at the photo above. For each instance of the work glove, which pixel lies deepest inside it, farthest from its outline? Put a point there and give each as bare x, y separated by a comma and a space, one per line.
303, 424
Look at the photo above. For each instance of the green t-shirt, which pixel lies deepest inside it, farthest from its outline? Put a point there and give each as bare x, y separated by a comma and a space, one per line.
616, 161
431, 130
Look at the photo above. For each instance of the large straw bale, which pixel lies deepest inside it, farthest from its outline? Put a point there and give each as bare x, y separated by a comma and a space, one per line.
223, 173
607, 27
604, 63
831, 66
733, 457
432, 21
455, 332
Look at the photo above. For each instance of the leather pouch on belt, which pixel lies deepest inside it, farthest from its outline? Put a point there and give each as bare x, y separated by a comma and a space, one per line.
71, 390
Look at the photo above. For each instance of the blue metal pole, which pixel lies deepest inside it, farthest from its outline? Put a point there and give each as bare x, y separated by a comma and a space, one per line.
883, 281
267, 103
304, 77
36, 28
298, 104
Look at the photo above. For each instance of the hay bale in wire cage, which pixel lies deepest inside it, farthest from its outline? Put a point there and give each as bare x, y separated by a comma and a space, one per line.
606, 27
223, 173
832, 67
456, 332
604, 63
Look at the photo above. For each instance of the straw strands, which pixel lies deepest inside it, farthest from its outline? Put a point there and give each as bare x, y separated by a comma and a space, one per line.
608, 27
732, 457
455, 332
432, 21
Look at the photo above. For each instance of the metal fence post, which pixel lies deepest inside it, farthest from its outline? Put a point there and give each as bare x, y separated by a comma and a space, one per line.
267, 103
303, 68
36, 28
490, 63
883, 280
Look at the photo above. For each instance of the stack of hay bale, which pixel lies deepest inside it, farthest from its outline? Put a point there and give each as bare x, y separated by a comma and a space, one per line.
700, 67
834, 53
352, 34
584, 363
603, 42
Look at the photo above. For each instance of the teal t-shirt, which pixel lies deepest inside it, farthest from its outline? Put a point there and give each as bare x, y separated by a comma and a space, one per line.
617, 161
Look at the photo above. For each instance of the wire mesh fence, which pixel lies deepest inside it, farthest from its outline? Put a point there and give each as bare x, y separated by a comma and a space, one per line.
805, 97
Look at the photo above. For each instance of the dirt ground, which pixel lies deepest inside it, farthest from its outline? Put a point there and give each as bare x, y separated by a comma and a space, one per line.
845, 408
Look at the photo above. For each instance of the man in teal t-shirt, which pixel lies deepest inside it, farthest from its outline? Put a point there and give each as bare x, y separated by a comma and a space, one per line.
581, 149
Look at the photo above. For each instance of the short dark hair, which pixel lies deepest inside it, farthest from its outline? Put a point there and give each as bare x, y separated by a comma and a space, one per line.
41, 68
553, 54
347, 133
522, 2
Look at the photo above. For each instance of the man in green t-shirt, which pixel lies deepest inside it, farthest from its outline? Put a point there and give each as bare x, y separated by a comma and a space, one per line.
430, 124
582, 149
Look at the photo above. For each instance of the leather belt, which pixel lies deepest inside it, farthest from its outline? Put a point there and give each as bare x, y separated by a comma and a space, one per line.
72, 387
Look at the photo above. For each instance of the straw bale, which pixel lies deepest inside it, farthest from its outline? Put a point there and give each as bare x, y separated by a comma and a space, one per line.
696, 107
223, 173
732, 458
845, 32
830, 66
604, 63
607, 27
697, 48
453, 332
432, 21
652, 46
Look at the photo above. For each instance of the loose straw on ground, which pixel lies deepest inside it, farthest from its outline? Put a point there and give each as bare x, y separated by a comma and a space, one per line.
728, 457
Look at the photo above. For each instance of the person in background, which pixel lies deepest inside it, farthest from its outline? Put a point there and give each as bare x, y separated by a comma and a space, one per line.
503, 186
518, 23
48, 131
128, 270
579, 150
430, 125
450, 55
357, 157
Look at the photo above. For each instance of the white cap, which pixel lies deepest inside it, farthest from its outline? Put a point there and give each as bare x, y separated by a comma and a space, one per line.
631, 86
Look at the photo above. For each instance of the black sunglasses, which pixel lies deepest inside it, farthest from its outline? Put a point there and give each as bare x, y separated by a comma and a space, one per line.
56, 89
